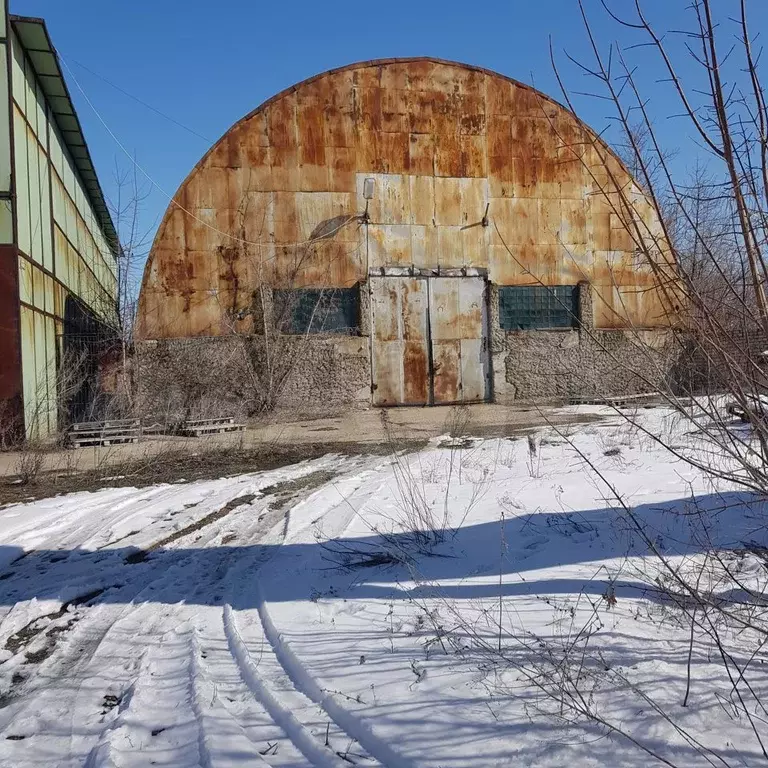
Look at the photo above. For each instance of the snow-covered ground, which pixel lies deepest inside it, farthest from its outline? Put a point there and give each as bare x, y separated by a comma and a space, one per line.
292, 618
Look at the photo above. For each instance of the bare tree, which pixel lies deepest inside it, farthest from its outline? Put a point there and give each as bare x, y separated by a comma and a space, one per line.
708, 257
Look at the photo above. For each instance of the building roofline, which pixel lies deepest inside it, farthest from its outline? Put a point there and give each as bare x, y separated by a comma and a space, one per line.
45, 61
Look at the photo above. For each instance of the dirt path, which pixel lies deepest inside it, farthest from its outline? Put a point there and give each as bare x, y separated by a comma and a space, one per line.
267, 445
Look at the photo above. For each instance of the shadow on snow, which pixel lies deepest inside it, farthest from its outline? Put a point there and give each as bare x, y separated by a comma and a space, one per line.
466, 566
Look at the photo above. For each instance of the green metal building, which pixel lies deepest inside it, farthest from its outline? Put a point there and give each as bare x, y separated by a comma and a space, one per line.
58, 246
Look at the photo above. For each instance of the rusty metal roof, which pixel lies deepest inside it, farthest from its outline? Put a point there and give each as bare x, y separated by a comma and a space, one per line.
406, 60
33, 36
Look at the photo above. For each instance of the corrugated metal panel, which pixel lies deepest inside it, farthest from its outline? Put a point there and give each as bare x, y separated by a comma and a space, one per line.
29, 369
61, 263
17, 69
39, 396
26, 287
44, 221
35, 201
40, 113
38, 288
22, 182
10, 354
51, 395
55, 149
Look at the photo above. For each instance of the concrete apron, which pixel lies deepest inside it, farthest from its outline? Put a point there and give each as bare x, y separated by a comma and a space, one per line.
374, 426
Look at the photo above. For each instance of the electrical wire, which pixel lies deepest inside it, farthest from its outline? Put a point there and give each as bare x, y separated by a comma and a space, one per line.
140, 101
189, 213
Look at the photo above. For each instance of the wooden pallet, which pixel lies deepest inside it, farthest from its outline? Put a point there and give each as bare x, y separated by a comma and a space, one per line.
756, 410
155, 426
104, 432
645, 400
198, 427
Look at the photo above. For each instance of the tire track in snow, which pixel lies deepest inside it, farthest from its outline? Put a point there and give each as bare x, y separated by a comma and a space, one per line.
163, 694
227, 730
352, 502
98, 652
282, 698
156, 696
353, 726
317, 754
90, 654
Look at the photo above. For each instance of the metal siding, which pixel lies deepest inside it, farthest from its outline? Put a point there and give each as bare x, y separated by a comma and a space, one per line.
442, 142
6, 222
51, 358
28, 104
5, 120
26, 289
10, 351
60, 256
17, 70
38, 288
21, 183
74, 248
41, 119
55, 149
28, 368
45, 212
36, 234
40, 394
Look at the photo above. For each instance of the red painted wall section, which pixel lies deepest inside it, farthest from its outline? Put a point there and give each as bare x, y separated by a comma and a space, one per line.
10, 353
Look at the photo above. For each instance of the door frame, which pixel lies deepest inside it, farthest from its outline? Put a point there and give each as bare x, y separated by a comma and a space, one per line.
426, 274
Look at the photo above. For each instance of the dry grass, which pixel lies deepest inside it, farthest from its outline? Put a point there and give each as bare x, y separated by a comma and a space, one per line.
175, 465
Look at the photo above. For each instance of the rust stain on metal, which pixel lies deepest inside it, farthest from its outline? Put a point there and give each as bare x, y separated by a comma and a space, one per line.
443, 141
415, 373
447, 367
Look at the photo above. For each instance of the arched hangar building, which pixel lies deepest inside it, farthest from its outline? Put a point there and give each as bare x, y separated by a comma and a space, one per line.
432, 231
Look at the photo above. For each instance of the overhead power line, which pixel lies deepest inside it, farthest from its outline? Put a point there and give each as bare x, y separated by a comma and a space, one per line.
269, 244
141, 101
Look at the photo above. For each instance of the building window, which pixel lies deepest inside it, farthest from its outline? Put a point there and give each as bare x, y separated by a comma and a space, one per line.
522, 308
317, 310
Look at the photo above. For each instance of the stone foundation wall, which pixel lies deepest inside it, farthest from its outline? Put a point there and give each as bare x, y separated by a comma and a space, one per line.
217, 376
330, 373
555, 365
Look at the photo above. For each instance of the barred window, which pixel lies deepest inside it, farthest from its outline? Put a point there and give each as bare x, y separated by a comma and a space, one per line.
522, 308
317, 310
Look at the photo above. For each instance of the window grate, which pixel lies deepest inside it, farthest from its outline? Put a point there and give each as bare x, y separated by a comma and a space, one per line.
317, 310
522, 308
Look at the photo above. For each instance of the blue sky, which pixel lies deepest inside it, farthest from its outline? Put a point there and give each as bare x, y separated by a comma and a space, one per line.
207, 64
